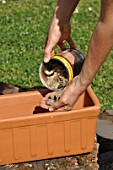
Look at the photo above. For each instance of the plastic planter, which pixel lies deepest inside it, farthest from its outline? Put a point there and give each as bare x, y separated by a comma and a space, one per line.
28, 132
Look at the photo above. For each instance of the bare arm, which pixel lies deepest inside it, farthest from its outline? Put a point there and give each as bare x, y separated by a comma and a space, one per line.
100, 45
64, 10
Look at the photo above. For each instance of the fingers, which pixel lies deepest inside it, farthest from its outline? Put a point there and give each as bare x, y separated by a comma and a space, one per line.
71, 43
62, 46
59, 106
43, 104
69, 40
44, 100
48, 52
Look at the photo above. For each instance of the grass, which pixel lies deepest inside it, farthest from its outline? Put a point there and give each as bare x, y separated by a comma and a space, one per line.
23, 29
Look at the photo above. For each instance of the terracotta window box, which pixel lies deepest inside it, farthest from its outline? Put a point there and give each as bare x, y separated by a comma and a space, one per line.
28, 132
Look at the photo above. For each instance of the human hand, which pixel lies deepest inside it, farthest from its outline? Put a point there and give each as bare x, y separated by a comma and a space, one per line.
57, 34
67, 99
49, 99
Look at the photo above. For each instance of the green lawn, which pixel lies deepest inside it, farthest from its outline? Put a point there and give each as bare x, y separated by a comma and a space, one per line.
23, 28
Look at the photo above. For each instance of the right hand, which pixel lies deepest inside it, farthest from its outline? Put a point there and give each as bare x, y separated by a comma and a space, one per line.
68, 97
56, 35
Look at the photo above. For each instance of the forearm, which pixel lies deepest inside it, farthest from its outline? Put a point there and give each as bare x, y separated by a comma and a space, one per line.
64, 10
100, 45
99, 48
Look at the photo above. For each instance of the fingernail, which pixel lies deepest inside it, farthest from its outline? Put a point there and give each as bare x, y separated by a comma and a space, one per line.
51, 109
46, 60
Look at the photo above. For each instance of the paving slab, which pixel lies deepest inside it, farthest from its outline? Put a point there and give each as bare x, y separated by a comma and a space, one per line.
105, 125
